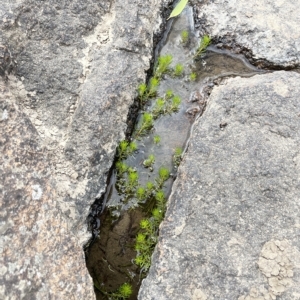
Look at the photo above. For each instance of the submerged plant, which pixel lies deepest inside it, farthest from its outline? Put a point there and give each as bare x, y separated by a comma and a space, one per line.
184, 36
163, 65
156, 139
193, 76
149, 161
177, 156
123, 292
125, 149
204, 43
146, 125
178, 70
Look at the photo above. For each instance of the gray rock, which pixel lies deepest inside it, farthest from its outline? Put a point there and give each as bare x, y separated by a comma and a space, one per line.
232, 226
269, 29
64, 109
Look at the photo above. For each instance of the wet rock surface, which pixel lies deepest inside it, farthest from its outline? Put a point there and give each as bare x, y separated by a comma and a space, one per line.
232, 226
266, 30
76, 66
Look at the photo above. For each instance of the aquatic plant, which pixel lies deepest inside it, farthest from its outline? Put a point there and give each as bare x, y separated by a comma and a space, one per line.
125, 149
177, 156
204, 43
145, 92
193, 76
184, 36
149, 161
145, 126
163, 65
156, 139
121, 167
178, 70
147, 237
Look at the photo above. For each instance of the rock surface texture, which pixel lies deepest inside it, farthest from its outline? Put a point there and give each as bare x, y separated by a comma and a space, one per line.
76, 65
269, 29
232, 226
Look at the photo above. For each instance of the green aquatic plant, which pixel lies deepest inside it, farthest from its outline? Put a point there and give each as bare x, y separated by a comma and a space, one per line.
123, 292
125, 149
145, 126
158, 108
177, 156
163, 65
156, 139
184, 36
193, 76
147, 237
204, 43
178, 70
175, 104
140, 193
149, 161
152, 87
145, 92
166, 105
121, 167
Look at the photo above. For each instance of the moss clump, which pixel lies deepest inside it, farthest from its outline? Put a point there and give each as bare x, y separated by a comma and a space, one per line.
178, 70
204, 43
193, 76
177, 156
184, 36
163, 65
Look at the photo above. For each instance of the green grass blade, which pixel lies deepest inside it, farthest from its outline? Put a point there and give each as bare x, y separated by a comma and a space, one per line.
178, 8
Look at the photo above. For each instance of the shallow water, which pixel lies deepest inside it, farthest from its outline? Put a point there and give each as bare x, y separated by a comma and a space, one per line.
110, 256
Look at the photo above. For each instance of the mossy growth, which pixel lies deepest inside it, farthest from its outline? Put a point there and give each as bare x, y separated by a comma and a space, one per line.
178, 70
193, 76
147, 237
125, 149
156, 139
184, 36
177, 157
145, 92
122, 293
204, 43
166, 105
163, 65
145, 125
148, 163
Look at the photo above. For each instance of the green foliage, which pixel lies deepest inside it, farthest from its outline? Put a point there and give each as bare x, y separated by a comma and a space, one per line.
184, 36
166, 105
153, 86
163, 175
177, 156
145, 126
193, 76
178, 8
123, 292
163, 65
178, 70
156, 139
205, 42
121, 167
147, 238
125, 149
149, 161
140, 193
145, 92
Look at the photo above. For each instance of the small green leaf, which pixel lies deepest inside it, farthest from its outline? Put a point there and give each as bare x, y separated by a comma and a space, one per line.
178, 8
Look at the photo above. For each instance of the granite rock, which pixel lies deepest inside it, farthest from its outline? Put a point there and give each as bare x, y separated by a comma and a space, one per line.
265, 30
232, 225
69, 72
